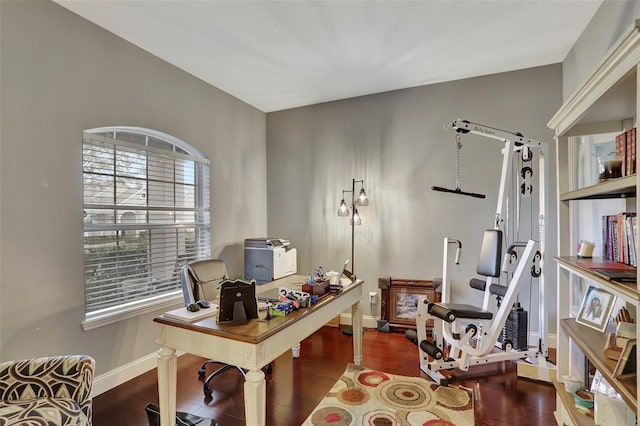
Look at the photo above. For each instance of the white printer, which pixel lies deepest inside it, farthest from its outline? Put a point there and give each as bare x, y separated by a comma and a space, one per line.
267, 259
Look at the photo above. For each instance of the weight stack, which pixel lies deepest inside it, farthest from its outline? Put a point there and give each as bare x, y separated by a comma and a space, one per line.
516, 328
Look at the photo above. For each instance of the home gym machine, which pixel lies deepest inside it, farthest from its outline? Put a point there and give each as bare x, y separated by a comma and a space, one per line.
465, 335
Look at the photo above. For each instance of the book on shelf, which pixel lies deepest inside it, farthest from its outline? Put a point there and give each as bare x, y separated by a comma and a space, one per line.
621, 150
631, 151
609, 270
596, 263
619, 234
626, 146
619, 275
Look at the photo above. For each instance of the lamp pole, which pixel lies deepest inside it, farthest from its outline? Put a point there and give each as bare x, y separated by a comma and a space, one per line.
353, 226
361, 200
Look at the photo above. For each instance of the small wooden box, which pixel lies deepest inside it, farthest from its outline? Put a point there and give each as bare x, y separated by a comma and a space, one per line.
319, 289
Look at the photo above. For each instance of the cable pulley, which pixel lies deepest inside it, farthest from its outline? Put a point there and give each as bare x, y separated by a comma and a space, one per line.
458, 190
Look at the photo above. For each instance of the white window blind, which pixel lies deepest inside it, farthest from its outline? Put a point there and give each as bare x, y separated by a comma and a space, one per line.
146, 213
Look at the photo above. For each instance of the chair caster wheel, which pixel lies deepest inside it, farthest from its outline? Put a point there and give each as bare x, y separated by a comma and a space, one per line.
201, 372
267, 368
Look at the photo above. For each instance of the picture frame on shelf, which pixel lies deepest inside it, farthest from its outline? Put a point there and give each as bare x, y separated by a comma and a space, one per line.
596, 308
626, 365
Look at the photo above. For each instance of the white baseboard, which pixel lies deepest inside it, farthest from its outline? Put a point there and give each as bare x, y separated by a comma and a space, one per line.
122, 374
368, 321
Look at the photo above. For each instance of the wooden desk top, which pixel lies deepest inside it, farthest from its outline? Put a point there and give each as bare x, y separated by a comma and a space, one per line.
256, 330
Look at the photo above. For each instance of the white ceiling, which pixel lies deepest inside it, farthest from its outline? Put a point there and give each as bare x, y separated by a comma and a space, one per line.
277, 55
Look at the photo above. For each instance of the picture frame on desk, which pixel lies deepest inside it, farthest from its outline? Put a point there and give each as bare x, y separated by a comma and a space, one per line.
596, 308
626, 365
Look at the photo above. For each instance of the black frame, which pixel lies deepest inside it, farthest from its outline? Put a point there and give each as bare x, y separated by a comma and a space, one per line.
238, 301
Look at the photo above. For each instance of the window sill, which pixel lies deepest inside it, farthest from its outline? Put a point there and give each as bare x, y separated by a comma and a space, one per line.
119, 313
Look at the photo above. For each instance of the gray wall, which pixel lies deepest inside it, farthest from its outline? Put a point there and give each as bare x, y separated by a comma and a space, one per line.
395, 141
60, 75
611, 21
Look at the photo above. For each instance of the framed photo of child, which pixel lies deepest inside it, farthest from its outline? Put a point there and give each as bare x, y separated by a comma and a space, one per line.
596, 308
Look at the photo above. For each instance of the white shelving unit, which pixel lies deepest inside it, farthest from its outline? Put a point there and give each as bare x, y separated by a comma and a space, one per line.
608, 101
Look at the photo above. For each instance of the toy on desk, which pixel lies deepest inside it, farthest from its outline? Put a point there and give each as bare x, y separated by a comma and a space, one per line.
299, 296
281, 309
318, 272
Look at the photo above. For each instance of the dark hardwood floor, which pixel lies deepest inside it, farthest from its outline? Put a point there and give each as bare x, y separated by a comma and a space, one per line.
295, 387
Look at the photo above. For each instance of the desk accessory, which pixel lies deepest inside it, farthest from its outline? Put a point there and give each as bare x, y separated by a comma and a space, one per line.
185, 315
320, 288
238, 301
585, 248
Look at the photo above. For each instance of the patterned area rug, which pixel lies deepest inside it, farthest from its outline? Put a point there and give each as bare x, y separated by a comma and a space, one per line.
369, 397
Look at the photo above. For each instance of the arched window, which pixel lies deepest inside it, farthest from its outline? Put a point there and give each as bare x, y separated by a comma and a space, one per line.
146, 213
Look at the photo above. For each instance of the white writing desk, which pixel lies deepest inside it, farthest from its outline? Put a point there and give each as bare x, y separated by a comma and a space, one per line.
250, 346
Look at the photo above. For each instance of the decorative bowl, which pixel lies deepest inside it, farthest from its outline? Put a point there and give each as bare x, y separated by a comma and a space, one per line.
571, 384
583, 398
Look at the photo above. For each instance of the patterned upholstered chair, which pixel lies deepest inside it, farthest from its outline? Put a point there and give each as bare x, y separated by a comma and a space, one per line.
47, 391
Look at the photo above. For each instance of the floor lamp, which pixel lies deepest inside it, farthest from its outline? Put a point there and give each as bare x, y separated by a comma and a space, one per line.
343, 211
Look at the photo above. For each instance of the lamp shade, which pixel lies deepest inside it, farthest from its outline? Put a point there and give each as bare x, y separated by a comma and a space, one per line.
362, 199
355, 220
343, 210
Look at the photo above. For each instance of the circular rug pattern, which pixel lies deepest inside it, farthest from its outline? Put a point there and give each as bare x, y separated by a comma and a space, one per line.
439, 422
334, 416
372, 378
380, 418
404, 394
353, 396
365, 397
452, 398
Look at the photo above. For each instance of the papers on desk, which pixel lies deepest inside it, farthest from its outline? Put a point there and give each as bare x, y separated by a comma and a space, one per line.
184, 315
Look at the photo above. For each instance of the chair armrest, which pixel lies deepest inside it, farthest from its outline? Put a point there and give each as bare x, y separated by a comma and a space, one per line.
68, 376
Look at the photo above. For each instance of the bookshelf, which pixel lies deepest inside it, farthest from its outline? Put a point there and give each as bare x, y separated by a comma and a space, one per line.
607, 102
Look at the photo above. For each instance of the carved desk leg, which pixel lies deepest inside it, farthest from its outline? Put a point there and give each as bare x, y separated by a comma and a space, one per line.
167, 370
356, 318
295, 350
255, 398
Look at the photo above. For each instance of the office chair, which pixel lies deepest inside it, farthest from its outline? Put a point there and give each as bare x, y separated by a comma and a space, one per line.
200, 281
